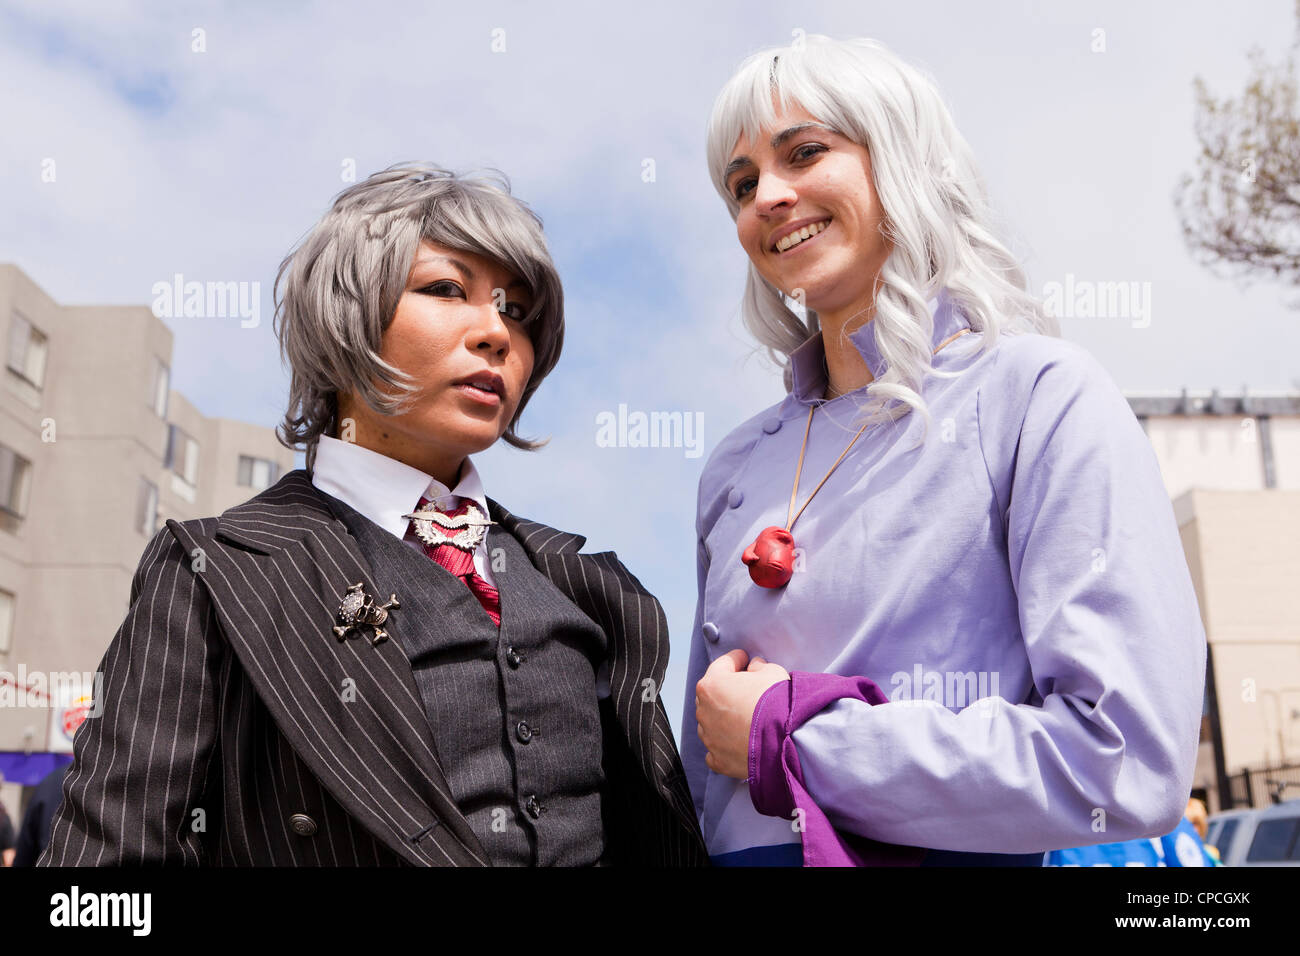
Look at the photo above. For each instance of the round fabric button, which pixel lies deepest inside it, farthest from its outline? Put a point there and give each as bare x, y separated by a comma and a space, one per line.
734, 497
710, 631
772, 425
302, 824
523, 731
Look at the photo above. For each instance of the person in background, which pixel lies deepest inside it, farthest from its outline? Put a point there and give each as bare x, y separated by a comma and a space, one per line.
6, 838
1199, 818
1182, 846
34, 833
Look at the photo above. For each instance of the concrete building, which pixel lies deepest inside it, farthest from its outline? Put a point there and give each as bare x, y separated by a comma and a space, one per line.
1231, 464
96, 451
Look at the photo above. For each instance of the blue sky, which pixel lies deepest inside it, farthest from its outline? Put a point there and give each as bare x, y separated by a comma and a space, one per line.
213, 165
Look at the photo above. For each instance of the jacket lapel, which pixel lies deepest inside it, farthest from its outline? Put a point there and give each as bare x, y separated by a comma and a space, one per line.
637, 630
281, 564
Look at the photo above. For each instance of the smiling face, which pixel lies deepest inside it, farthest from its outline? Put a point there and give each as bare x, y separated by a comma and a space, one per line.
458, 333
802, 180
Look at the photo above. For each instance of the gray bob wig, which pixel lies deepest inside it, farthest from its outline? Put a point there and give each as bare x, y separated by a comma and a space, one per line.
337, 292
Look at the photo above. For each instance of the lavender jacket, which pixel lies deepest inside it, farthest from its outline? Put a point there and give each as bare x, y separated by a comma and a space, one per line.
998, 646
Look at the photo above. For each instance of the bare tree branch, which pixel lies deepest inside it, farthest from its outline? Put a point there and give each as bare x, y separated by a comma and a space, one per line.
1240, 213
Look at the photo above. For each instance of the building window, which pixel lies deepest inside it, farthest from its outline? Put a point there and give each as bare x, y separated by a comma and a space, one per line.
257, 473
146, 508
161, 386
15, 481
182, 455
27, 350
6, 621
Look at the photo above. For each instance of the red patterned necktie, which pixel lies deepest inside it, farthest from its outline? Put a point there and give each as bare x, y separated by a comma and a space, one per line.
461, 564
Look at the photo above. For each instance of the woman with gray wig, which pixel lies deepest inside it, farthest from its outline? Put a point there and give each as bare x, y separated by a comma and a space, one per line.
372, 662
944, 615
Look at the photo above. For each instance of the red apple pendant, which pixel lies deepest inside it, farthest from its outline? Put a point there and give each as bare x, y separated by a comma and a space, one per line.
770, 558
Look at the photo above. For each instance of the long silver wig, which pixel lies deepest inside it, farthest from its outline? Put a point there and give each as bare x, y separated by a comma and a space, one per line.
936, 211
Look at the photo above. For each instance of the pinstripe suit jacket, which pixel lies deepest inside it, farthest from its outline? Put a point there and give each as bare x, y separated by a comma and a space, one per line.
237, 729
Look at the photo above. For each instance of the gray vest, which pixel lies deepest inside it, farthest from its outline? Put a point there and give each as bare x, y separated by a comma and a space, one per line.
515, 718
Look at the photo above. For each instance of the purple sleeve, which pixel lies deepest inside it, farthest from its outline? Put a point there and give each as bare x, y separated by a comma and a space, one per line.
1108, 625
776, 784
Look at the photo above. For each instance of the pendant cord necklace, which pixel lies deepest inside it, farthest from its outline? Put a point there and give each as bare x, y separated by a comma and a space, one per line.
772, 568
791, 517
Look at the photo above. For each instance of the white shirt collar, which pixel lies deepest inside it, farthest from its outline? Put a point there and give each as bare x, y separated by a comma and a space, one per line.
382, 488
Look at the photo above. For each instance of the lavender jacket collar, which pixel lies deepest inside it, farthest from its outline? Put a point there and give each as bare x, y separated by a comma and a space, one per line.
808, 361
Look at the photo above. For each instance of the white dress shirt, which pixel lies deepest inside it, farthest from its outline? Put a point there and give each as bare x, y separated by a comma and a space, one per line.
383, 489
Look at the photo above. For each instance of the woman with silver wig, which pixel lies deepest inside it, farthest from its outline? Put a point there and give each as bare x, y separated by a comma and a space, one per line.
372, 662
944, 615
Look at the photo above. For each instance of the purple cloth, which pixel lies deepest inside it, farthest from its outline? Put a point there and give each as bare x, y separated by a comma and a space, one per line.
30, 769
776, 784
